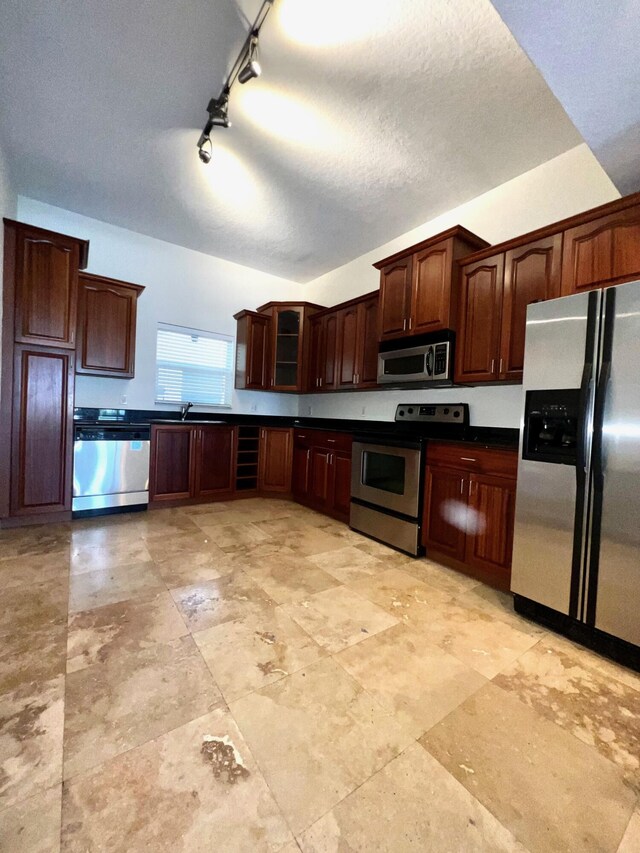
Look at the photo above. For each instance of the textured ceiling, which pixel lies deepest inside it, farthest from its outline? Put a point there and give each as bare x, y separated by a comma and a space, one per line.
589, 53
370, 118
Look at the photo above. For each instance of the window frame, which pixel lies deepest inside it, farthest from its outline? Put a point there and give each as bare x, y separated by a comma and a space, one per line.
189, 331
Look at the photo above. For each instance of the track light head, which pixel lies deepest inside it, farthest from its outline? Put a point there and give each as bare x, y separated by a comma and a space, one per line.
252, 68
204, 152
218, 115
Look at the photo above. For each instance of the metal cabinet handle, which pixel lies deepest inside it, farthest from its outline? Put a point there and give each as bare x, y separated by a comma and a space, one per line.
404, 325
493, 364
461, 486
409, 323
331, 441
301, 436
354, 378
320, 382
500, 368
468, 459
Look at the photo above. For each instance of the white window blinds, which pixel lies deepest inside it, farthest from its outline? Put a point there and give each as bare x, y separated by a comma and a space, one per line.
193, 366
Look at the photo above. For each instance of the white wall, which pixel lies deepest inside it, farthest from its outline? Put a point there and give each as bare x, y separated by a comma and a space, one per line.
562, 187
8, 208
182, 286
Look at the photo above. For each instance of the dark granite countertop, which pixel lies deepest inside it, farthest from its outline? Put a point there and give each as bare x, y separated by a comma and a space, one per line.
496, 437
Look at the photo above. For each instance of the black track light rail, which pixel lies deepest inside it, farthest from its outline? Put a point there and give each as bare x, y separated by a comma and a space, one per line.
217, 107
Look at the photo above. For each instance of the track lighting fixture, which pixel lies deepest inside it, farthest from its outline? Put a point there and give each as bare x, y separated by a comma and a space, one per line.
252, 68
245, 68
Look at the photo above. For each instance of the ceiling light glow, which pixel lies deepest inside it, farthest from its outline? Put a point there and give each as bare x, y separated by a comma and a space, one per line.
325, 23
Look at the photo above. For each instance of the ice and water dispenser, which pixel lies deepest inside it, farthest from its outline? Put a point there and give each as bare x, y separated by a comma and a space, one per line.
551, 426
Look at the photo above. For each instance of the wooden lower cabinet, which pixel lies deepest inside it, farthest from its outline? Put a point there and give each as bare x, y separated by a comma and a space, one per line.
469, 510
322, 471
274, 461
191, 462
42, 441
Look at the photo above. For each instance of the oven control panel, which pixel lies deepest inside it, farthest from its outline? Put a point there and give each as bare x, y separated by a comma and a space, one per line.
453, 413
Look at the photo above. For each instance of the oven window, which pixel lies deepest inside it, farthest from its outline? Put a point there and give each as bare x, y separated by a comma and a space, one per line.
383, 471
404, 365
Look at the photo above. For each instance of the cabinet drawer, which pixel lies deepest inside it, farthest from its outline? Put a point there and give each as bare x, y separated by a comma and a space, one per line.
469, 457
323, 438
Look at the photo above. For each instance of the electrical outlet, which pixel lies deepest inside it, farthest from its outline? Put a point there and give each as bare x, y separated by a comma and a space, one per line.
364, 410
308, 410
254, 407
123, 399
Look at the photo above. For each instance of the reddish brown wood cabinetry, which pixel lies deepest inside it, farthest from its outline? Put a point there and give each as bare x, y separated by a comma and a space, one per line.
191, 462
253, 347
602, 251
107, 311
478, 344
367, 358
469, 509
496, 290
322, 471
419, 287
40, 294
42, 440
274, 463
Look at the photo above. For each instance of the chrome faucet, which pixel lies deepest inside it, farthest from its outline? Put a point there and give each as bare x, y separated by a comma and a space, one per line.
184, 410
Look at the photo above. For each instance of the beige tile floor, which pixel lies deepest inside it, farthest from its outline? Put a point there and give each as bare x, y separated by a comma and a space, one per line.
255, 676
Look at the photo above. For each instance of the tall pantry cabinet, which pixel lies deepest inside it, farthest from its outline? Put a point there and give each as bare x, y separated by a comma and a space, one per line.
40, 302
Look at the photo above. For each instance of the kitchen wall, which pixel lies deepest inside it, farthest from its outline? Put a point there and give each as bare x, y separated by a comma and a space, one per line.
8, 208
562, 187
184, 287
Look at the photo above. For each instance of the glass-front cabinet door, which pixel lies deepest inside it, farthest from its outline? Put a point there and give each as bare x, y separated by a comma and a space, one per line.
287, 349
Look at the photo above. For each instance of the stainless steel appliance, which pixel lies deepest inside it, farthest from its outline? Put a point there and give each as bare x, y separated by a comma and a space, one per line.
426, 360
387, 472
576, 558
110, 468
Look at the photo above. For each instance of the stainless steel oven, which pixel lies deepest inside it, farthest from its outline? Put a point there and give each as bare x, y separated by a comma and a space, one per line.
387, 473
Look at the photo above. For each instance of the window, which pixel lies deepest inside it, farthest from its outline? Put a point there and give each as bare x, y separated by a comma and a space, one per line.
193, 366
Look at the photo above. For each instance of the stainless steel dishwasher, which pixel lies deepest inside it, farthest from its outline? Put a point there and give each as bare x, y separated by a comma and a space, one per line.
110, 468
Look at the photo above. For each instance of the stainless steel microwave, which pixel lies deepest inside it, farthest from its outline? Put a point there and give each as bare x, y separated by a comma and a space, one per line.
426, 363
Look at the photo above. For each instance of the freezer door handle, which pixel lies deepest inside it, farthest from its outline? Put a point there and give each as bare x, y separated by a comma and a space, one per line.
598, 423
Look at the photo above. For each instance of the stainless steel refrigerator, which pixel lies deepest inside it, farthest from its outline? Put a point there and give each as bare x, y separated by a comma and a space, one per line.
576, 557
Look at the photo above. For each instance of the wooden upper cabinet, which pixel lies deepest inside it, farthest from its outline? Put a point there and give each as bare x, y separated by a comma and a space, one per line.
275, 458
419, 287
107, 311
42, 439
602, 251
431, 289
531, 274
395, 299
46, 286
316, 334
478, 342
367, 358
347, 346
253, 340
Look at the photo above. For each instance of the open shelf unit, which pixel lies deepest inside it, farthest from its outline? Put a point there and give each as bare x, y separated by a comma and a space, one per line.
247, 458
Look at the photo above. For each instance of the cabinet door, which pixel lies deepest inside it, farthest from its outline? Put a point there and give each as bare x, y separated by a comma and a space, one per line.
214, 461
478, 344
287, 349
445, 512
602, 252
106, 328
367, 360
531, 274
301, 472
42, 430
316, 332
329, 352
258, 340
347, 346
46, 291
320, 477
395, 299
172, 462
340, 503
274, 464
490, 527
431, 289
